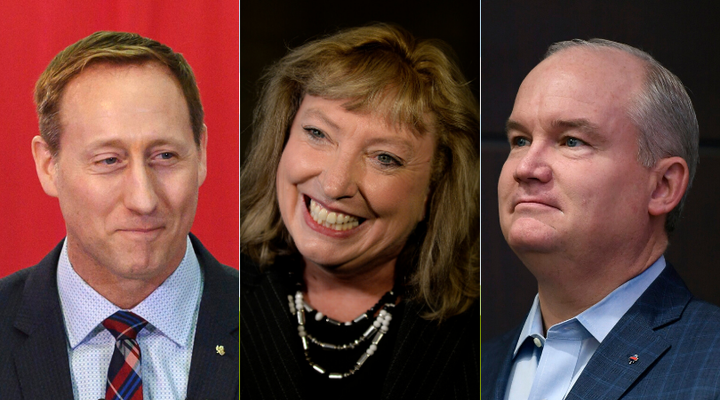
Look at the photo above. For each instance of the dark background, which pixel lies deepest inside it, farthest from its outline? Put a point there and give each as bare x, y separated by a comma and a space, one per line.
683, 36
269, 28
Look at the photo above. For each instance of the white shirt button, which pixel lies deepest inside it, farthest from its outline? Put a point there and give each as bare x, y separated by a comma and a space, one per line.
537, 342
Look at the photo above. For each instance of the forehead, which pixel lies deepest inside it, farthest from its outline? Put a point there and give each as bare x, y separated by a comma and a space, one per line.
596, 85
115, 100
103, 82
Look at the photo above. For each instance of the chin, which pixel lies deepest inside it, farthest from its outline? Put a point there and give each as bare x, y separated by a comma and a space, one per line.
139, 266
322, 258
531, 237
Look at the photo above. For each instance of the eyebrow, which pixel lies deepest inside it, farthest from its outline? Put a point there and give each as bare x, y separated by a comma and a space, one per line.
314, 112
392, 141
581, 124
100, 143
512, 125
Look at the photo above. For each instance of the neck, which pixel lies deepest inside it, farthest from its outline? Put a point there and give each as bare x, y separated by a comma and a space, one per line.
343, 297
569, 285
124, 292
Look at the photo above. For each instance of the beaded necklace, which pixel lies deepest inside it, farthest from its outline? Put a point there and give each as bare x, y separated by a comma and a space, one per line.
379, 327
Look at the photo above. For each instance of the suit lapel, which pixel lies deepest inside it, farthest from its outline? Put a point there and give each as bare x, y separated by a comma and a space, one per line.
213, 371
40, 318
609, 373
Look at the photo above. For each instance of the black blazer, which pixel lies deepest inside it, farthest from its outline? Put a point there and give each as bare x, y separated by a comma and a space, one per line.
676, 338
428, 361
33, 346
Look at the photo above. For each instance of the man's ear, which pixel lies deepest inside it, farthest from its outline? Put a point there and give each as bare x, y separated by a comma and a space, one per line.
202, 170
672, 179
45, 165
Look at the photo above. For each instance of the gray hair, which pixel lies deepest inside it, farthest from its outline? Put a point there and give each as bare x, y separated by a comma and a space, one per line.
662, 112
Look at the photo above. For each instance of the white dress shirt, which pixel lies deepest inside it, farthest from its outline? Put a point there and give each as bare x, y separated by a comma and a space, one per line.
166, 343
546, 368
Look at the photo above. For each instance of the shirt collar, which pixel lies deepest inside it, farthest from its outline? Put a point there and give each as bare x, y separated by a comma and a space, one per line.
170, 309
599, 319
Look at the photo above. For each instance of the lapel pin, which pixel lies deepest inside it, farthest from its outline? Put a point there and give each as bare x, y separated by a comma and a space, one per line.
220, 350
633, 359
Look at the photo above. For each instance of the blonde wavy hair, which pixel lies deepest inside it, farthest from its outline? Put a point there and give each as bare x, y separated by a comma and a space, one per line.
414, 83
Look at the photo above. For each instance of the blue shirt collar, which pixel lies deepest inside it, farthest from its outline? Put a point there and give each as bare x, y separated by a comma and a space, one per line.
599, 319
169, 309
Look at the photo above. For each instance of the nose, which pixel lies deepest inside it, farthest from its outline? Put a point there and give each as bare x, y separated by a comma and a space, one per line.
534, 165
338, 179
140, 191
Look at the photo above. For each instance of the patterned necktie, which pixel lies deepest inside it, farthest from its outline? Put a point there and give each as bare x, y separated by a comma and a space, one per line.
124, 381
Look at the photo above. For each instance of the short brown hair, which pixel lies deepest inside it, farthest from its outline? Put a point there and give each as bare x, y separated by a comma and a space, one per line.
382, 68
119, 48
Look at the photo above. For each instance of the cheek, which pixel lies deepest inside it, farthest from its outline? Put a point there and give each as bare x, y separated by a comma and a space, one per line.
401, 198
614, 200
506, 180
298, 164
81, 195
184, 196
289, 173
283, 177
506, 187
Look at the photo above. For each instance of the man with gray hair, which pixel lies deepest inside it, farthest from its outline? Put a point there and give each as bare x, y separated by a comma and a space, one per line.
604, 145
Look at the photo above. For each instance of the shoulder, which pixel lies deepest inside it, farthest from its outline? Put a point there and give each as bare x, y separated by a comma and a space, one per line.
699, 320
495, 360
282, 274
435, 360
497, 349
38, 281
250, 272
11, 291
212, 266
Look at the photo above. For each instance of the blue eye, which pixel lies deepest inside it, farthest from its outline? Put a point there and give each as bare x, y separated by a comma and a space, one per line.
388, 160
519, 141
109, 161
573, 142
315, 133
166, 155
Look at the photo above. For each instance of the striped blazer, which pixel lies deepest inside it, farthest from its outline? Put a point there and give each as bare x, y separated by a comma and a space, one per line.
428, 361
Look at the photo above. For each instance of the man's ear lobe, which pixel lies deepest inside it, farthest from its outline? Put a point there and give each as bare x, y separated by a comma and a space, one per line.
45, 165
672, 179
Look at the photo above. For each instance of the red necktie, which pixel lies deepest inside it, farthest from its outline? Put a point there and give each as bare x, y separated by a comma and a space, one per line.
124, 381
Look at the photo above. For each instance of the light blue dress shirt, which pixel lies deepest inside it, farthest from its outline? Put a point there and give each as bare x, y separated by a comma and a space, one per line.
547, 367
166, 343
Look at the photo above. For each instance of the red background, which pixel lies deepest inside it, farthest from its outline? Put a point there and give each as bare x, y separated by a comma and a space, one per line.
32, 32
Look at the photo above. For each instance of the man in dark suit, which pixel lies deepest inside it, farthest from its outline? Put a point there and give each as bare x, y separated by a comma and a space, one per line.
604, 144
130, 303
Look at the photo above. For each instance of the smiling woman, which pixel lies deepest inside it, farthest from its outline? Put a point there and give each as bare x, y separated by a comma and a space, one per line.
359, 222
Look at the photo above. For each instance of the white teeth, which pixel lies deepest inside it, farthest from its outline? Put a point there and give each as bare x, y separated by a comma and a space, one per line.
332, 220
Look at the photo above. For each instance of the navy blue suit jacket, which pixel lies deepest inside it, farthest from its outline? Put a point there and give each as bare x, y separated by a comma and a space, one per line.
33, 345
676, 338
